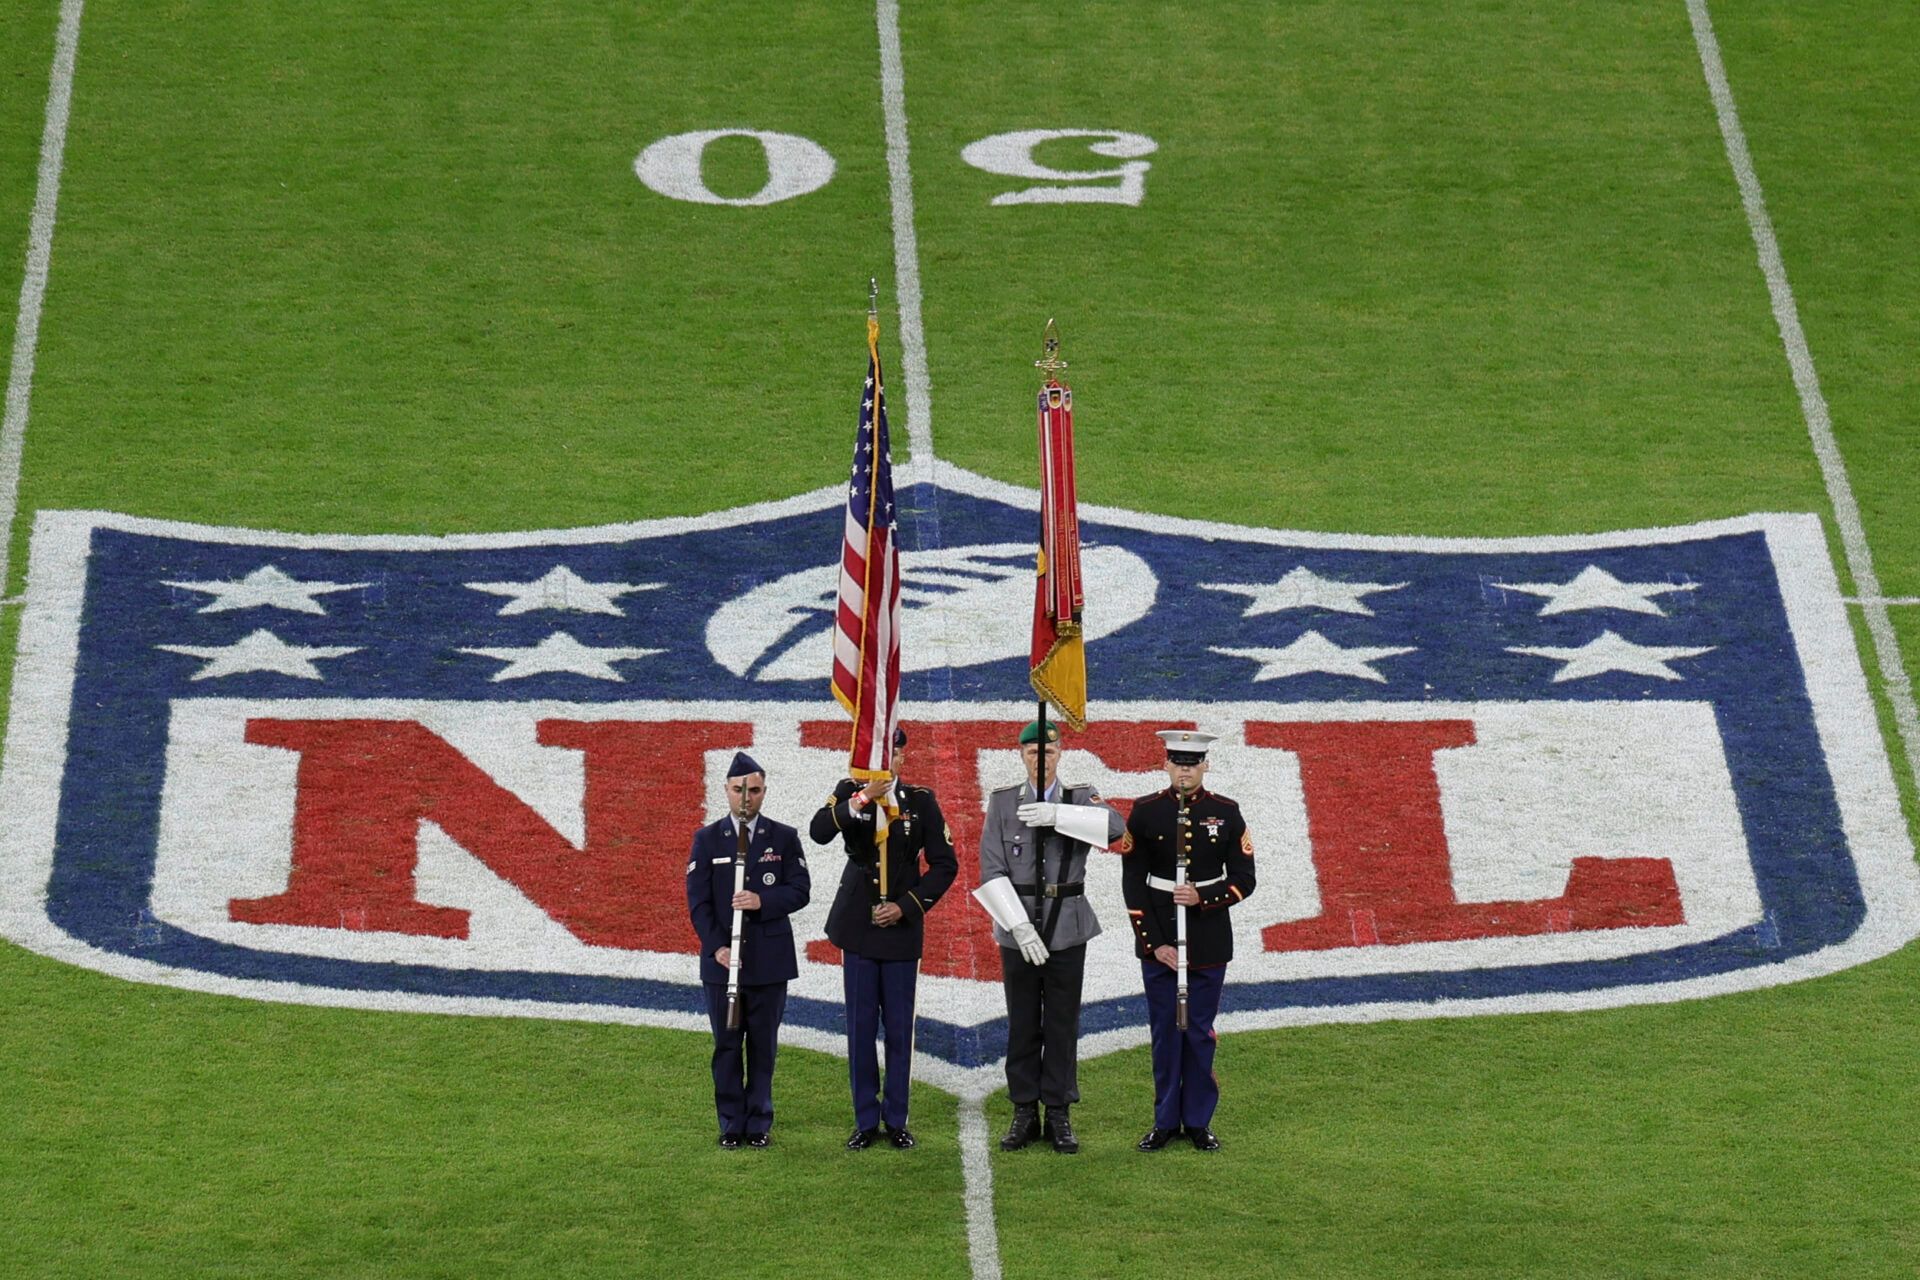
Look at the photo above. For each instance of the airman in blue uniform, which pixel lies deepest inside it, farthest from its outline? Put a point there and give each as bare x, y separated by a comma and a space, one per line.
775, 886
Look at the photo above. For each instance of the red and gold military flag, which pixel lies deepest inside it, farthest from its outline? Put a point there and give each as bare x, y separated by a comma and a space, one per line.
1059, 657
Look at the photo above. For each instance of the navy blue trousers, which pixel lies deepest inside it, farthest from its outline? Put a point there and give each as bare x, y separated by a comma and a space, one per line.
744, 1098
1184, 1090
879, 994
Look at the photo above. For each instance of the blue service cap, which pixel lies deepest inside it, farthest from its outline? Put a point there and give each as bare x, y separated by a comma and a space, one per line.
743, 764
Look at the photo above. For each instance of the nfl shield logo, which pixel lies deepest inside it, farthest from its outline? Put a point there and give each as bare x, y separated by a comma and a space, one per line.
461, 774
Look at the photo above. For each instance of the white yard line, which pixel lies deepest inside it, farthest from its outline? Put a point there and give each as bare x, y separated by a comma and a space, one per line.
983, 1239
33, 288
906, 251
976, 1164
1813, 405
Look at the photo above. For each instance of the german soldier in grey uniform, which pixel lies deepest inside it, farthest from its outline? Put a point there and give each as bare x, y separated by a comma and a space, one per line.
1033, 860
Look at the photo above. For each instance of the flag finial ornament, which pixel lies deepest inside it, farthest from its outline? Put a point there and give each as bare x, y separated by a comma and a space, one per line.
1050, 362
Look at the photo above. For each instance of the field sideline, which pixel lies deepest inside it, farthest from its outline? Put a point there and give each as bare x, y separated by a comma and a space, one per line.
1486, 272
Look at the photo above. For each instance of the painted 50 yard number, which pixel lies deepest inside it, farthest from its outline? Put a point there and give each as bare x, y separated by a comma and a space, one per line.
797, 166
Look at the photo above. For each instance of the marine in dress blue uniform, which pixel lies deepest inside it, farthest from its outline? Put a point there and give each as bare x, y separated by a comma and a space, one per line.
881, 939
1184, 820
777, 885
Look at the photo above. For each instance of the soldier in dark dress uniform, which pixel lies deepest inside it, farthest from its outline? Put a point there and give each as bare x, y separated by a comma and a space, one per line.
1184, 821
881, 937
777, 885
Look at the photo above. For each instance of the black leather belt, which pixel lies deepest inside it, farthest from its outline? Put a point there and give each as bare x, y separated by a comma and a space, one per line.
1055, 890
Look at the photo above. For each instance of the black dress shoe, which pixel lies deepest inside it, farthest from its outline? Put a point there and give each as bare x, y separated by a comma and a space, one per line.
1025, 1127
729, 1142
1060, 1130
1156, 1139
761, 1141
1203, 1139
901, 1138
862, 1139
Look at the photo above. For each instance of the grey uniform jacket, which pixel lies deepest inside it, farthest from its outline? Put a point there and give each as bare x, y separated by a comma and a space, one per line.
1007, 849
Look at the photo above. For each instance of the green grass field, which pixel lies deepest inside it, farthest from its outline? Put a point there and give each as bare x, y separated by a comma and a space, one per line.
1476, 269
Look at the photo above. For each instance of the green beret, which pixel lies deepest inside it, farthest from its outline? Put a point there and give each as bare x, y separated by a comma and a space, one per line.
1032, 733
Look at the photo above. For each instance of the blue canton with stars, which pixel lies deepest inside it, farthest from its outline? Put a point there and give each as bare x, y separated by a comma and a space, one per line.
870, 487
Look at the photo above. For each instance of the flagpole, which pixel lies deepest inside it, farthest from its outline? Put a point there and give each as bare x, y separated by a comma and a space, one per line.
873, 331
1049, 365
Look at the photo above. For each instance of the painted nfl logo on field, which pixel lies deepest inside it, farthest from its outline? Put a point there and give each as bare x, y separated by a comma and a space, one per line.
461, 774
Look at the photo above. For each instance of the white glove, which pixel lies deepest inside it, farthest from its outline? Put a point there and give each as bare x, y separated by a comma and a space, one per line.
1037, 815
1032, 949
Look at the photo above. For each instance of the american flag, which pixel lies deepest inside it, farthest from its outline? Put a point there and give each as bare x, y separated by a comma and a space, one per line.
866, 641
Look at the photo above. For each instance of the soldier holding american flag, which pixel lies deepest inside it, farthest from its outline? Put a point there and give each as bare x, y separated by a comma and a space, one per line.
878, 915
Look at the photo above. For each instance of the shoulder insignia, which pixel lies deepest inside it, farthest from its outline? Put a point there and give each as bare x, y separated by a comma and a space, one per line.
691, 866
1010, 787
1246, 843
949, 832
1228, 801
1126, 843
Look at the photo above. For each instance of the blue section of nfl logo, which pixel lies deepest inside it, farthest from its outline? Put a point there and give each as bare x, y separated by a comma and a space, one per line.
1225, 618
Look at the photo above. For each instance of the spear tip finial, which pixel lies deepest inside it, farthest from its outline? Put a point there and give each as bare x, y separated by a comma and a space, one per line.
1050, 362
